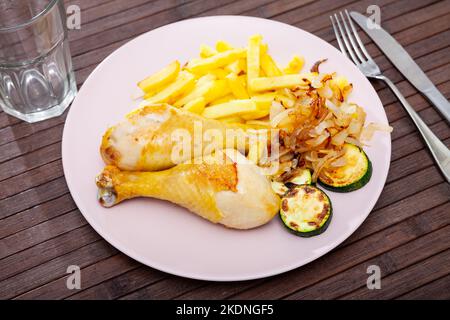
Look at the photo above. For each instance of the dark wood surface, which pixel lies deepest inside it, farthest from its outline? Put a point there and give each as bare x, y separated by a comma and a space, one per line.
407, 234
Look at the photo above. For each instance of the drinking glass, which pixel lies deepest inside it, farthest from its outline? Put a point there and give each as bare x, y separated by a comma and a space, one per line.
36, 76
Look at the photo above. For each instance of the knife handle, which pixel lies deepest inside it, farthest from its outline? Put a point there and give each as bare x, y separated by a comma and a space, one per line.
439, 151
439, 101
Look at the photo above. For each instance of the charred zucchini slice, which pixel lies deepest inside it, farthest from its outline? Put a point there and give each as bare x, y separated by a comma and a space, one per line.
352, 176
302, 177
306, 211
279, 188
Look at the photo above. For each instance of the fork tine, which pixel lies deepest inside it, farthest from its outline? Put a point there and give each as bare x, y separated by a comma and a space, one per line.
358, 39
350, 36
347, 44
338, 38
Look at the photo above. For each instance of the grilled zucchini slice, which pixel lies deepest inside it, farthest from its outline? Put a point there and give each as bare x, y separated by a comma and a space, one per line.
350, 177
302, 177
306, 211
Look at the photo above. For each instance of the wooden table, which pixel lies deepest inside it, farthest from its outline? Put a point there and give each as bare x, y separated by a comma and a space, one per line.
407, 235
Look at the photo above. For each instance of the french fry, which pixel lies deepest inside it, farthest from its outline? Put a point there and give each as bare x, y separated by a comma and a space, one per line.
237, 67
295, 65
195, 106
218, 73
207, 51
217, 61
222, 46
272, 83
237, 86
218, 90
209, 90
231, 108
263, 103
160, 78
258, 123
209, 77
269, 66
183, 82
263, 49
223, 99
232, 119
253, 58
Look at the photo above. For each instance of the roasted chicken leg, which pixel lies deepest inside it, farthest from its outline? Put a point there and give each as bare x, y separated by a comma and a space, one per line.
229, 190
144, 141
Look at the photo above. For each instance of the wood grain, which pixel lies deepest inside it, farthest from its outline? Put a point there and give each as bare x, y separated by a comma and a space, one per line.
407, 233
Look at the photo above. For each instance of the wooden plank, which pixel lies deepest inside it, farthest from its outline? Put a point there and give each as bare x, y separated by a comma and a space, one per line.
235, 8
410, 164
31, 143
54, 269
30, 161
91, 275
85, 5
46, 251
399, 211
110, 14
407, 279
165, 289
389, 263
40, 233
24, 129
32, 197
409, 11
31, 178
404, 126
417, 181
127, 30
7, 120
437, 290
413, 142
38, 214
277, 7
392, 20
122, 284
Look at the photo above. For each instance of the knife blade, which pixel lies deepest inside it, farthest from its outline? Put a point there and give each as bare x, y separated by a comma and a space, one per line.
403, 62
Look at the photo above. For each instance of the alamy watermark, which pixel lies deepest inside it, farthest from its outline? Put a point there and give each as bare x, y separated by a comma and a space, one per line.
73, 13
374, 279
74, 279
374, 13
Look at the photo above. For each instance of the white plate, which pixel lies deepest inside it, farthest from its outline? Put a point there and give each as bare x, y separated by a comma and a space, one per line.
169, 238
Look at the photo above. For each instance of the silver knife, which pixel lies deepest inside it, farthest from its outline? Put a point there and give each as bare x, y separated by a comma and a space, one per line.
404, 63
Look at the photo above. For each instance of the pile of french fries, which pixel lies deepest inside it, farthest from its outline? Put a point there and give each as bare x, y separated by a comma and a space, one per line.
247, 87
234, 85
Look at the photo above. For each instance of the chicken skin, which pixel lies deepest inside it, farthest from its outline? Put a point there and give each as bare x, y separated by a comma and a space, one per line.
226, 189
144, 141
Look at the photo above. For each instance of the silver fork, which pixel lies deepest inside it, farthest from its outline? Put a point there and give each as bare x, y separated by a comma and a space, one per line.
353, 48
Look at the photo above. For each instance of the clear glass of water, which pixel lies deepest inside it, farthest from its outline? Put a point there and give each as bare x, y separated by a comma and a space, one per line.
36, 76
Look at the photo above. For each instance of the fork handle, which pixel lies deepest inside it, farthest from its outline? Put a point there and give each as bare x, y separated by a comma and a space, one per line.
439, 151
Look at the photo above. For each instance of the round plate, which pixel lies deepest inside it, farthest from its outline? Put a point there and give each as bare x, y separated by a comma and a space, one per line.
170, 238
